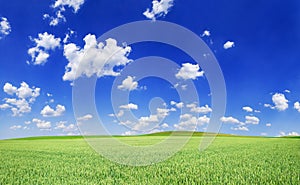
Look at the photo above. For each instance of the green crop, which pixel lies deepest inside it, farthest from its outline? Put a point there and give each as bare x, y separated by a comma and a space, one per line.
229, 160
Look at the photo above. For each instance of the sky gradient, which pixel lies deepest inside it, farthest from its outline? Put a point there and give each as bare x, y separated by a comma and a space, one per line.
42, 42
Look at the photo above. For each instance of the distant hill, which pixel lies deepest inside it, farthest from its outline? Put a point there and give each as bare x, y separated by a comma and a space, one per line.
185, 133
166, 133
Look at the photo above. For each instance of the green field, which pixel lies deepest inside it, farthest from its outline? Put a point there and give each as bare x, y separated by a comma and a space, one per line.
229, 160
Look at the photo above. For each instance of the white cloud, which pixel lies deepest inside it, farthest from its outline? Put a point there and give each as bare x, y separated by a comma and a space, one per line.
75, 4
146, 123
165, 125
59, 7
43, 44
187, 122
129, 133
95, 58
49, 112
281, 103
41, 124
18, 106
189, 71
287, 91
27, 122
54, 20
163, 112
252, 120
5, 27
179, 105
24, 91
183, 87
85, 117
68, 35
203, 120
15, 127
159, 8
229, 120
289, 134
268, 124
60, 125
242, 128
5, 106
206, 33
24, 97
269, 106
203, 110
297, 106
120, 113
9, 89
228, 44
293, 134
129, 106
66, 128
248, 109
128, 84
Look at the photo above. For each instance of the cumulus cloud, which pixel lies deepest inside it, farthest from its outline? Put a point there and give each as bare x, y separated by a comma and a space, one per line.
202, 110
129, 106
9, 89
189, 71
22, 98
68, 36
41, 124
129, 133
203, 120
252, 120
85, 117
206, 33
43, 44
75, 4
269, 106
280, 102
179, 105
5, 106
159, 9
5, 27
62, 125
15, 127
297, 106
228, 44
289, 134
55, 20
229, 120
95, 58
59, 7
18, 106
49, 112
242, 128
190, 122
147, 123
268, 124
128, 84
27, 122
164, 125
248, 109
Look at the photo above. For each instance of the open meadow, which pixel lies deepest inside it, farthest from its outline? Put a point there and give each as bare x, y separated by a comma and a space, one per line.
229, 160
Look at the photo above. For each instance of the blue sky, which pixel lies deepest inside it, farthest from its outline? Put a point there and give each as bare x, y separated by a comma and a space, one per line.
255, 42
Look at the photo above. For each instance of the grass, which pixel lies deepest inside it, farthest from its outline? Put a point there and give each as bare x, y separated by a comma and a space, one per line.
229, 160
